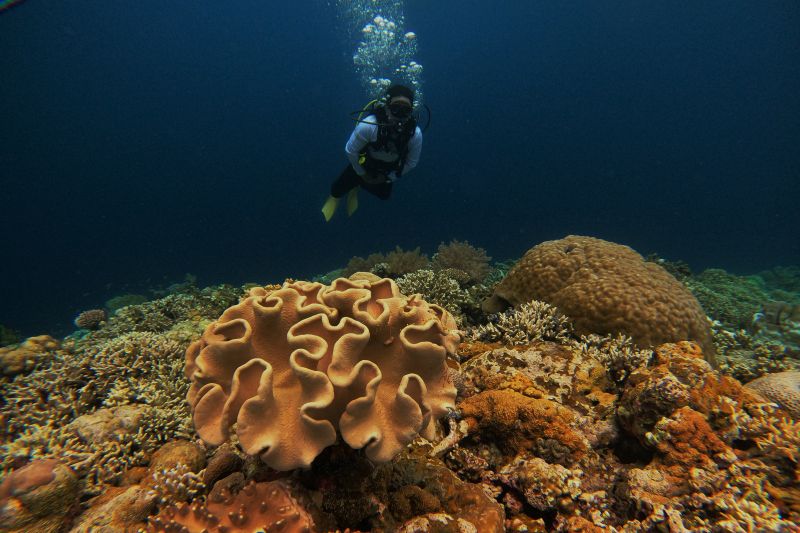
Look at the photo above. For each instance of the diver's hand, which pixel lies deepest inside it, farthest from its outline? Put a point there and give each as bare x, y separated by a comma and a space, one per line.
391, 177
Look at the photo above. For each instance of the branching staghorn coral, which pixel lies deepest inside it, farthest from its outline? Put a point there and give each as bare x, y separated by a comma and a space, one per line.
73, 384
733, 300
532, 321
436, 288
97, 464
176, 484
618, 353
162, 314
746, 356
140, 369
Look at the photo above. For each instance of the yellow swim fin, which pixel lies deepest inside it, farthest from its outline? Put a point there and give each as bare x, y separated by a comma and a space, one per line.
352, 201
329, 208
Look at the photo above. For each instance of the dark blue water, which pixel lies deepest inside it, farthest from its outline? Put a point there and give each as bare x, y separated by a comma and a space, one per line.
143, 140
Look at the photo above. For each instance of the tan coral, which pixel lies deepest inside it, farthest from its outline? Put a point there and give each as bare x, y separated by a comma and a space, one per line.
268, 506
23, 357
606, 288
37, 497
782, 388
291, 366
679, 377
463, 257
516, 422
543, 485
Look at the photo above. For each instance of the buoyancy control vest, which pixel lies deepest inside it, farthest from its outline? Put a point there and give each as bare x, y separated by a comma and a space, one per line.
389, 151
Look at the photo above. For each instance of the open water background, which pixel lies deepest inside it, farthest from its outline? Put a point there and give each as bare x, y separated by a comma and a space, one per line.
143, 140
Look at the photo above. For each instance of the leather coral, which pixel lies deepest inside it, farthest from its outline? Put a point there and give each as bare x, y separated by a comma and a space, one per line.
291, 366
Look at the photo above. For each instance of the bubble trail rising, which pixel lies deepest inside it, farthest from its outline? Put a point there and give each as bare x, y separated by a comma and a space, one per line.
385, 51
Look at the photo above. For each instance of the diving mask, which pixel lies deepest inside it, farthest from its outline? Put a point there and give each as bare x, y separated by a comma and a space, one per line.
400, 110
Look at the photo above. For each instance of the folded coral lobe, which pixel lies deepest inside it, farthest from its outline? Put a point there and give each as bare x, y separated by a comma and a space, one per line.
292, 366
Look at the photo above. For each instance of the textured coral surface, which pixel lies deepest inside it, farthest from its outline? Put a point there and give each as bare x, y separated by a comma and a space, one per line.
606, 288
551, 431
257, 507
782, 388
293, 365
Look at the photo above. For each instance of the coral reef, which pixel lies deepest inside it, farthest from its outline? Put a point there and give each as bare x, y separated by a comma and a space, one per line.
124, 300
746, 356
513, 421
38, 497
437, 288
782, 388
528, 425
617, 353
161, 315
464, 257
679, 269
22, 358
266, 506
733, 300
532, 321
606, 288
708, 453
100, 405
393, 264
293, 365
91, 319
7, 336
782, 278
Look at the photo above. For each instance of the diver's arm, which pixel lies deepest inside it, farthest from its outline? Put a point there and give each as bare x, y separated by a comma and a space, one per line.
414, 151
364, 133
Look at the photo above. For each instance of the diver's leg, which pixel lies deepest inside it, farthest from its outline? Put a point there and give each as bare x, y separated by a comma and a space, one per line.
381, 190
348, 179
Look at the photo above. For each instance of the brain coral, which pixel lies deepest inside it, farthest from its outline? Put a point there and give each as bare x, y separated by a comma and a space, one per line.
606, 288
292, 365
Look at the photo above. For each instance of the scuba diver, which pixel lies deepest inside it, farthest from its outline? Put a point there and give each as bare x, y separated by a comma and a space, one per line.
384, 146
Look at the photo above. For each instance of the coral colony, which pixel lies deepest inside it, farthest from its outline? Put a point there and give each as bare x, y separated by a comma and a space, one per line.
581, 388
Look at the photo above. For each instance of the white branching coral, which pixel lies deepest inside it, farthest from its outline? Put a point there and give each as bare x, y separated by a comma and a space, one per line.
435, 287
618, 353
176, 484
533, 321
139, 372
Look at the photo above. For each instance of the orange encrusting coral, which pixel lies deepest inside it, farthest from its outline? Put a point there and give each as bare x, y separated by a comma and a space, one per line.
518, 420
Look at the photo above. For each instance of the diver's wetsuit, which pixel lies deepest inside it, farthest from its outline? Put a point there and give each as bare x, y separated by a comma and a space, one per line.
348, 179
384, 159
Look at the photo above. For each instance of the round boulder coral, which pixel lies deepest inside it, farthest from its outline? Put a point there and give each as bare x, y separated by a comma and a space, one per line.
606, 288
37, 497
782, 388
91, 319
291, 366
